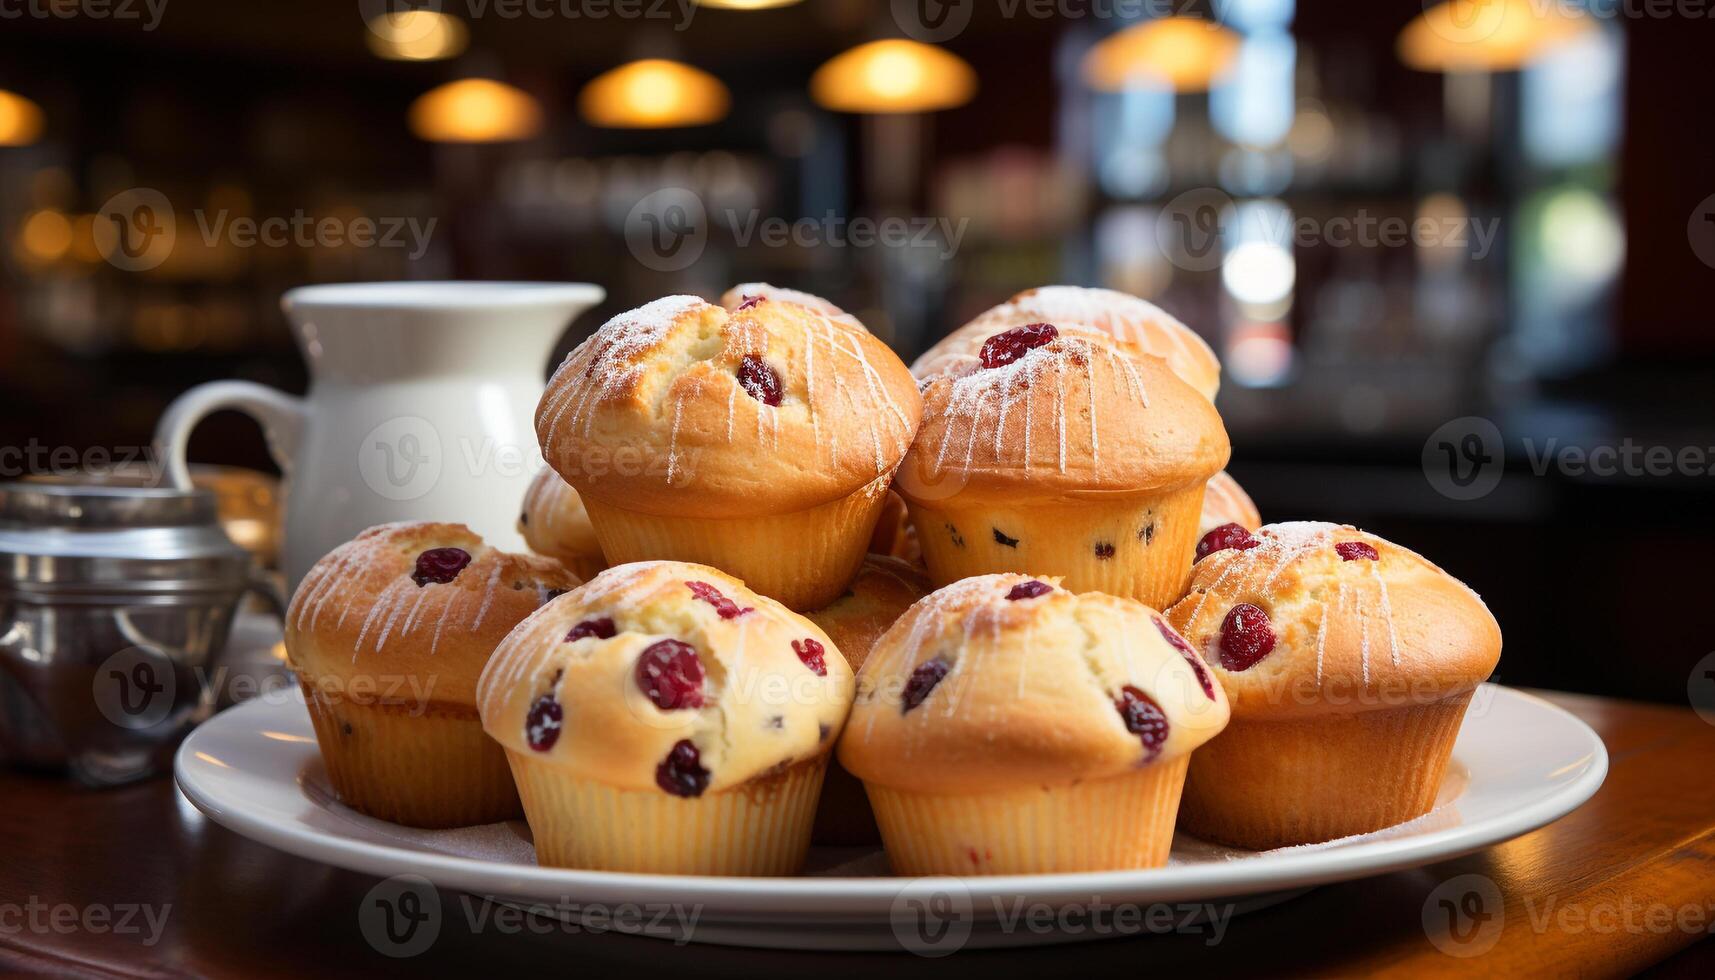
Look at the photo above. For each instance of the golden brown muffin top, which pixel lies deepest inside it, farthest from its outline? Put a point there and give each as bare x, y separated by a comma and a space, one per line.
414, 607
747, 292
682, 407
1225, 502
1306, 618
1044, 416
884, 588
666, 675
1131, 322
553, 520
1002, 681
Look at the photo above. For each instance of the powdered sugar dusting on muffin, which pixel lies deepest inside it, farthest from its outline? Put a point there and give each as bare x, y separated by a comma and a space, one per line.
1255, 571
606, 353
980, 401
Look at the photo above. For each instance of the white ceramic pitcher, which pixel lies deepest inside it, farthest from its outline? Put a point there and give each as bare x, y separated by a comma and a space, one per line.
421, 406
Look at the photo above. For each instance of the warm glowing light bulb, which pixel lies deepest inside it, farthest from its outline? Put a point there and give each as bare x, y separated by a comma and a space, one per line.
1487, 35
746, 4
20, 120
417, 35
1186, 54
893, 76
654, 93
475, 110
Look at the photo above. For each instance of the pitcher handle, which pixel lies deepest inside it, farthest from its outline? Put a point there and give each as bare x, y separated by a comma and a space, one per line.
281, 416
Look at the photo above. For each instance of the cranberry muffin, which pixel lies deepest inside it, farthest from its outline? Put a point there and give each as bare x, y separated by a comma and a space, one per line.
747, 294
760, 440
1349, 661
894, 536
664, 718
1008, 726
883, 590
388, 634
1132, 323
1062, 455
554, 523
1225, 503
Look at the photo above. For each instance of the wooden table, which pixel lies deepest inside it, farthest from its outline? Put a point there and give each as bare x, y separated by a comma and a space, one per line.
1623, 884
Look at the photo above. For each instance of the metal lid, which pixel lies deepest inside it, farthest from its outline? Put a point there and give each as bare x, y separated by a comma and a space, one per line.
106, 539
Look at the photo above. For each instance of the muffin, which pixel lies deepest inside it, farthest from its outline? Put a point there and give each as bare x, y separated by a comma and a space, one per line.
664, 718
1131, 323
894, 536
884, 589
1225, 502
751, 292
1062, 455
1008, 726
388, 634
1349, 661
554, 523
759, 440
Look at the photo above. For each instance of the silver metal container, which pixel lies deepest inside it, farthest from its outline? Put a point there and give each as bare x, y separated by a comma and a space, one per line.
114, 602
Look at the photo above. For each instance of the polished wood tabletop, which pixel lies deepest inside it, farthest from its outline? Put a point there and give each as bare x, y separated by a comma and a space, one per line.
134, 882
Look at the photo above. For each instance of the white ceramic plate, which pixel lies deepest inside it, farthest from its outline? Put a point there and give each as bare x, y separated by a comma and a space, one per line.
1520, 763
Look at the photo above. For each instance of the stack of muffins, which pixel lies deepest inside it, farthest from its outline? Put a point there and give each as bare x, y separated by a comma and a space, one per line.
1004, 610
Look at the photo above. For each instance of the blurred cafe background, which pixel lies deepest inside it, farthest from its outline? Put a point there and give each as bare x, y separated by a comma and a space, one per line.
1456, 260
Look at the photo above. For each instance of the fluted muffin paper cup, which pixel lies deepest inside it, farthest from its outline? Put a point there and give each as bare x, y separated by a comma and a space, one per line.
803, 560
1267, 784
1136, 545
760, 827
1109, 824
422, 766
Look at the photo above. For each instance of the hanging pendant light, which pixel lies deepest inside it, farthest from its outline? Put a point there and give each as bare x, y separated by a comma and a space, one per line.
1186, 54
20, 120
894, 75
1487, 35
475, 110
654, 93
746, 4
416, 35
